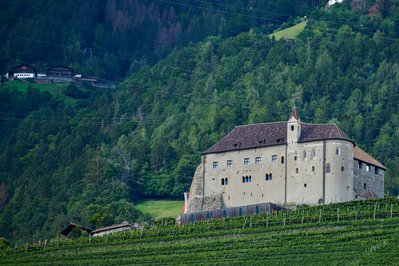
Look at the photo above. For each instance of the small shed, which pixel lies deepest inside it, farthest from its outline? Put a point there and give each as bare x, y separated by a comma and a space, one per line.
114, 228
65, 232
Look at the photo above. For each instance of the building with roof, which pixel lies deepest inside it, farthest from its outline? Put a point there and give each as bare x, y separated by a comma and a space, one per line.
288, 162
23, 71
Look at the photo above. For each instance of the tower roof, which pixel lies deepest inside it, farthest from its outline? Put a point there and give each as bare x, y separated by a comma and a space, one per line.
294, 113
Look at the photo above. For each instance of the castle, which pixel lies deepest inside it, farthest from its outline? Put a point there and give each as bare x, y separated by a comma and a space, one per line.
285, 163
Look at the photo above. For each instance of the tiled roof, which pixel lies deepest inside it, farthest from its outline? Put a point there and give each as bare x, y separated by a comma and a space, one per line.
112, 227
269, 134
361, 155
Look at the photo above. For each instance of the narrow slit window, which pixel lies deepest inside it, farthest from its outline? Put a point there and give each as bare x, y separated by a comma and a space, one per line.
282, 159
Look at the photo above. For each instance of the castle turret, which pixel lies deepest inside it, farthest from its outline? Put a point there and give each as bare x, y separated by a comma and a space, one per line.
293, 127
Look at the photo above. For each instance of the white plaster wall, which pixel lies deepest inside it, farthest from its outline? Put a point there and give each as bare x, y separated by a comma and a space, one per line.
339, 184
259, 190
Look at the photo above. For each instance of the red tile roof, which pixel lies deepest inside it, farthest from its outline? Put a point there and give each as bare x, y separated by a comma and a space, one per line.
269, 134
361, 155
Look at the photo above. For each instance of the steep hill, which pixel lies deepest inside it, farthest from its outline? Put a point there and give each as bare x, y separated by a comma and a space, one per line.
90, 161
110, 38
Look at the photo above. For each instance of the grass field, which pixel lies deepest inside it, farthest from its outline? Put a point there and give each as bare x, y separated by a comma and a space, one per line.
357, 233
160, 208
290, 33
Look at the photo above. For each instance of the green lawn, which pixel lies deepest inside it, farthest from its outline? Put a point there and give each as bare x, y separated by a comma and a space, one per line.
161, 208
290, 33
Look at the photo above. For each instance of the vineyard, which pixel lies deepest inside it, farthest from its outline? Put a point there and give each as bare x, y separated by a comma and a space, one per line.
365, 232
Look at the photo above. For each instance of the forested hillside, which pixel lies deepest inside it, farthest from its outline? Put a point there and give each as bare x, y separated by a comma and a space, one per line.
89, 156
111, 38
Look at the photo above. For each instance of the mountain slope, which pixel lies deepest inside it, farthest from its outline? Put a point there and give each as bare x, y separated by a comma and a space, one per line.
89, 162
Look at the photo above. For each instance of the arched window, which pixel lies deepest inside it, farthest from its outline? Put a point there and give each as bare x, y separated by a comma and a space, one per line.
222, 181
313, 154
267, 177
250, 179
246, 179
328, 168
226, 181
243, 179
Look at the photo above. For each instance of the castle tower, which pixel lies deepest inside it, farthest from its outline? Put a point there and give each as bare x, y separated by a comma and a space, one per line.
293, 127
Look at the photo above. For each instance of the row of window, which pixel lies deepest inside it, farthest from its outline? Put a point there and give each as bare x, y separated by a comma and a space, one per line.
245, 179
360, 165
258, 160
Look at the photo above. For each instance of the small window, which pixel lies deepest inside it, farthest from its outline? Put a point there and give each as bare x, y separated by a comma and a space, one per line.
250, 179
347, 188
312, 168
215, 164
246, 161
267, 177
274, 158
292, 128
270, 176
243, 179
226, 181
338, 151
257, 160
305, 185
282, 159
296, 170
368, 168
222, 181
328, 168
376, 170
342, 168
313, 154
304, 154
229, 163
360, 165
364, 186
246, 179
295, 158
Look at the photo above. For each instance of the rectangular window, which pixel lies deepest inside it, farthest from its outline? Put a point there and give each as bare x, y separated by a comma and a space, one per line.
338, 151
215, 165
229, 163
246, 161
274, 158
328, 168
368, 168
257, 160
376, 171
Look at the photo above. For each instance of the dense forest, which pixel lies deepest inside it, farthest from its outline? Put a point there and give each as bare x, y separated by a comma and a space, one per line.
112, 38
88, 156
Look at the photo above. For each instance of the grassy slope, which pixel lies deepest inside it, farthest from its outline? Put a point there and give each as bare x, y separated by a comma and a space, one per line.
160, 208
56, 90
290, 33
350, 241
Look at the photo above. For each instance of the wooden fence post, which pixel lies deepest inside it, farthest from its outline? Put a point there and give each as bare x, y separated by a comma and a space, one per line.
391, 209
375, 209
338, 214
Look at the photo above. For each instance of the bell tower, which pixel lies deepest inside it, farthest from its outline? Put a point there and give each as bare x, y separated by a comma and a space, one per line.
293, 127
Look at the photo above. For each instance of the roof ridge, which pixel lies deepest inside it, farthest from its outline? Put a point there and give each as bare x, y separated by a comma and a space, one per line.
267, 123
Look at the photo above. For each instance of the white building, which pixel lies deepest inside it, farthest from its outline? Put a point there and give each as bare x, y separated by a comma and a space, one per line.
284, 163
